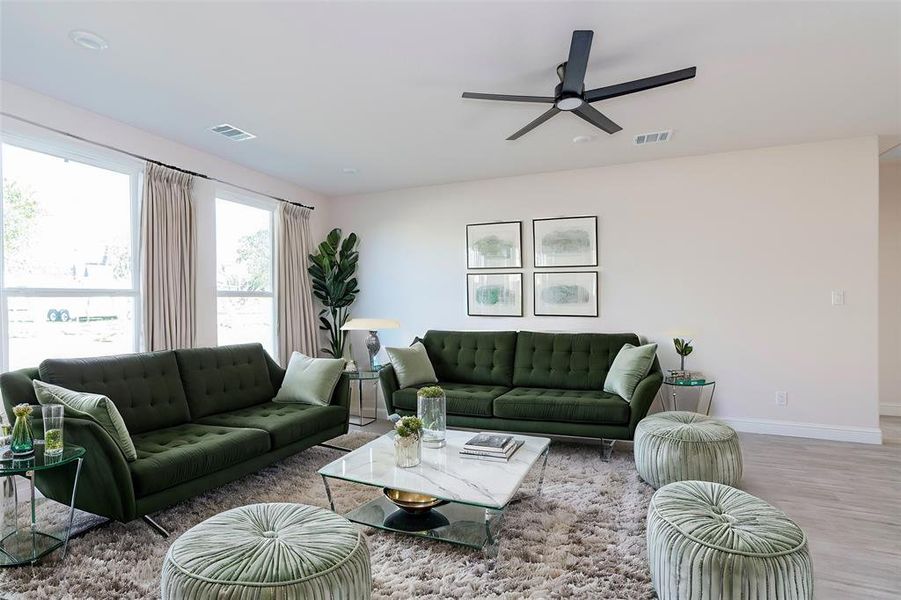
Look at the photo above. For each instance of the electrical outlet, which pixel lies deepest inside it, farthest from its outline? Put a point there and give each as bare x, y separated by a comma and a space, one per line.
781, 398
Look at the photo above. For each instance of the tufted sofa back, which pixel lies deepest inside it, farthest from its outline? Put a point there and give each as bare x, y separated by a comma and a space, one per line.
569, 361
478, 357
146, 388
226, 378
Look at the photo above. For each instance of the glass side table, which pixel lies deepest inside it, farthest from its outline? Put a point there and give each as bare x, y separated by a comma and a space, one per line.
672, 387
25, 544
360, 377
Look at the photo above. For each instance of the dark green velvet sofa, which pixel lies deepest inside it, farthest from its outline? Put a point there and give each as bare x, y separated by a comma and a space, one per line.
198, 418
530, 382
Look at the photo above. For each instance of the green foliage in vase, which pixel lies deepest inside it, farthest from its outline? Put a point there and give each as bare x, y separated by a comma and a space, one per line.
683, 348
332, 271
22, 410
408, 426
431, 391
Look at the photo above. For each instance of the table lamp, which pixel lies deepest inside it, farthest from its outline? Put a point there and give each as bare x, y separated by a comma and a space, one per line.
372, 342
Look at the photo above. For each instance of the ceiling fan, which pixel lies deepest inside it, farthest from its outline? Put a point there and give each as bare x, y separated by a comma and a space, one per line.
570, 94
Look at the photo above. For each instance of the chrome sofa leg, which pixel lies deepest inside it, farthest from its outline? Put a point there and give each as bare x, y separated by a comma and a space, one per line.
606, 449
155, 526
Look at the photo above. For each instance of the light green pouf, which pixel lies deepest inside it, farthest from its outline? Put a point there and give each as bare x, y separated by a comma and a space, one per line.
708, 541
269, 552
680, 446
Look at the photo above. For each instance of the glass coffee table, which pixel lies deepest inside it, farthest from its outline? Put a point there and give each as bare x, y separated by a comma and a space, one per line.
25, 544
476, 492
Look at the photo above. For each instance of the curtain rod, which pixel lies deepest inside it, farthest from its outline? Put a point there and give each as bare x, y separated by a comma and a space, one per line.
150, 160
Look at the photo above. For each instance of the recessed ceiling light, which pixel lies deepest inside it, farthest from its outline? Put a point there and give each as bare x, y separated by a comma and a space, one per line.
349, 171
582, 139
88, 39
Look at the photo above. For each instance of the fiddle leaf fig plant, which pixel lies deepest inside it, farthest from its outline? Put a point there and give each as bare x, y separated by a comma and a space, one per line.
332, 269
683, 349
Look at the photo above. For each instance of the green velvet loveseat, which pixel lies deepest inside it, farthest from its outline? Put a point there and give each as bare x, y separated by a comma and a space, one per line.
530, 382
198, 418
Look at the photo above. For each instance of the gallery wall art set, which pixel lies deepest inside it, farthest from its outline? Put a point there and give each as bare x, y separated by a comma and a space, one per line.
560, 244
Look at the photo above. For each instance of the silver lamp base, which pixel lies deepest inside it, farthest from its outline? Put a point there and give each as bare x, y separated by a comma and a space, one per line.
373, 345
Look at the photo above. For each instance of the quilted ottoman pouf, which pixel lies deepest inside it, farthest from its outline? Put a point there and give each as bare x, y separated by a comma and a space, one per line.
708, 541
272, 551
681, 446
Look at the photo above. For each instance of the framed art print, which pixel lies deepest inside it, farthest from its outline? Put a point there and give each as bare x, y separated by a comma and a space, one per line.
565, 242
494, 294
566, 294
494, 245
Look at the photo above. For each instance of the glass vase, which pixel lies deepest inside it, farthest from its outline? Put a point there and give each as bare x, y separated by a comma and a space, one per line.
22, 442
407, 451
52, 415
433, 413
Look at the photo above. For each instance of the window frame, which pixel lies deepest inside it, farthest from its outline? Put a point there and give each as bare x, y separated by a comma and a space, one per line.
270, 206
88, 155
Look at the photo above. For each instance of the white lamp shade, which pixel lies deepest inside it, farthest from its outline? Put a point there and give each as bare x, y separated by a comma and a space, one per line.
370, 324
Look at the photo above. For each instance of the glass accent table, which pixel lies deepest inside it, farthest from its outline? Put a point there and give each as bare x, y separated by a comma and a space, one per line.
22, 545
477, 492
360, 377
671, 388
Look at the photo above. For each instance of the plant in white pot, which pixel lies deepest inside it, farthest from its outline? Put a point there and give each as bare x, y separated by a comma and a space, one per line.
407, 442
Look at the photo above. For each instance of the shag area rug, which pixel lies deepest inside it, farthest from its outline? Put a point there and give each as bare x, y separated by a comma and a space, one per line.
584, 537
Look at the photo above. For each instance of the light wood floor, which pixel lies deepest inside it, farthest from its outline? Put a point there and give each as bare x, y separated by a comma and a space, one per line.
846, 497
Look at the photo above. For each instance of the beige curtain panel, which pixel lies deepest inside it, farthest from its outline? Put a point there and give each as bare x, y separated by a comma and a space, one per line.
169, 257
297, 329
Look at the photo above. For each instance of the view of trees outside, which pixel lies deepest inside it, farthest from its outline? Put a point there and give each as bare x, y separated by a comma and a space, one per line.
66, 225
244, 264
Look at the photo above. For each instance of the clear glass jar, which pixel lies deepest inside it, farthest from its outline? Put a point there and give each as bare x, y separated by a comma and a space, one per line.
433, 413
52, 415
407, 451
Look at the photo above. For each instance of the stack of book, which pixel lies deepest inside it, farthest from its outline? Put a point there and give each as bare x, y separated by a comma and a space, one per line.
490, 446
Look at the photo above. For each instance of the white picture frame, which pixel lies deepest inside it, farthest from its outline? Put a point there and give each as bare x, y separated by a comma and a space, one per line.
565, 242
494, 294
565, 294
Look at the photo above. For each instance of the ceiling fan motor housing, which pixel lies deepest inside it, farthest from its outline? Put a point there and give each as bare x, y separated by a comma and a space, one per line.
567, 101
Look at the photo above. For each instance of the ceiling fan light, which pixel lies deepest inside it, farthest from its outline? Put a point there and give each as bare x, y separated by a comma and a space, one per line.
570, 103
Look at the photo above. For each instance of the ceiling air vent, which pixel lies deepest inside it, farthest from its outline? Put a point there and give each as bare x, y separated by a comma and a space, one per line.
232, 132
655, 137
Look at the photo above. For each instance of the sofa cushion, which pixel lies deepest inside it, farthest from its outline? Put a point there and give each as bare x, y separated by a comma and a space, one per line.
462, 398
310, 380
570, 361
568, 406
479, 357
146, 388
285, 423
224, 379
174, 455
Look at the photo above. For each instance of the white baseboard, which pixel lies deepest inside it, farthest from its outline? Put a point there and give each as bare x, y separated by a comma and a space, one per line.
889, 409
838, 433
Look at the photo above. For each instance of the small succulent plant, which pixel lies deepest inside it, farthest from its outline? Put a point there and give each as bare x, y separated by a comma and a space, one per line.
408, 427
431, 391
683, 349
22, 410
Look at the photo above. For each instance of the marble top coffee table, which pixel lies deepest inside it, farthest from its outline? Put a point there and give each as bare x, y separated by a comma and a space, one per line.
476, 492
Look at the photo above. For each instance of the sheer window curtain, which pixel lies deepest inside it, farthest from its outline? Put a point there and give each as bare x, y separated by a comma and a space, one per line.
169, 259
297, 326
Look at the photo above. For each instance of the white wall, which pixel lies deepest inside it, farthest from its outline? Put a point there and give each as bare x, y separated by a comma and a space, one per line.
66, 117
890, 288
742, 249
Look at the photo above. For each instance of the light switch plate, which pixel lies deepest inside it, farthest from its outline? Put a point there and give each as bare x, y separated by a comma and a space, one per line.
838, 297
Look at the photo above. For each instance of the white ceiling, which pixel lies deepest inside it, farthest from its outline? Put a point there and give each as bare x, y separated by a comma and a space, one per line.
376, 86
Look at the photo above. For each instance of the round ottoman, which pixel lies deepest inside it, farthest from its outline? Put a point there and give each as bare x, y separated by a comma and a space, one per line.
678, 446
269, 551
713, 542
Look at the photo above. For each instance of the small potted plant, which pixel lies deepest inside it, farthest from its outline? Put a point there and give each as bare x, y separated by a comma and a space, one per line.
22, 443
431, 408
407, 442
683, 349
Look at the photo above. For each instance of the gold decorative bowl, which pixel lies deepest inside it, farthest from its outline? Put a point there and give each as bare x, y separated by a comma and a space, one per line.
412, 502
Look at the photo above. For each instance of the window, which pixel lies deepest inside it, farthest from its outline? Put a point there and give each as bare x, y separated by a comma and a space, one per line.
244, 272
69, 260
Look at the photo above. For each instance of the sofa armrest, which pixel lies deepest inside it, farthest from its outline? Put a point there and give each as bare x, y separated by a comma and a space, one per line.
104, 487
341, 393
389, 384
644, 396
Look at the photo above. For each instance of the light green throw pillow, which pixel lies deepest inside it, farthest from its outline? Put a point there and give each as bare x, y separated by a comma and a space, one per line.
95, 407
310, 380
630, 366
412, 365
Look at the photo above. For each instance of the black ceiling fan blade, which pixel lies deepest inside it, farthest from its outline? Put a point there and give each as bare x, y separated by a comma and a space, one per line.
544, 117
596, 118
577, 63
508, 98
639, 85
